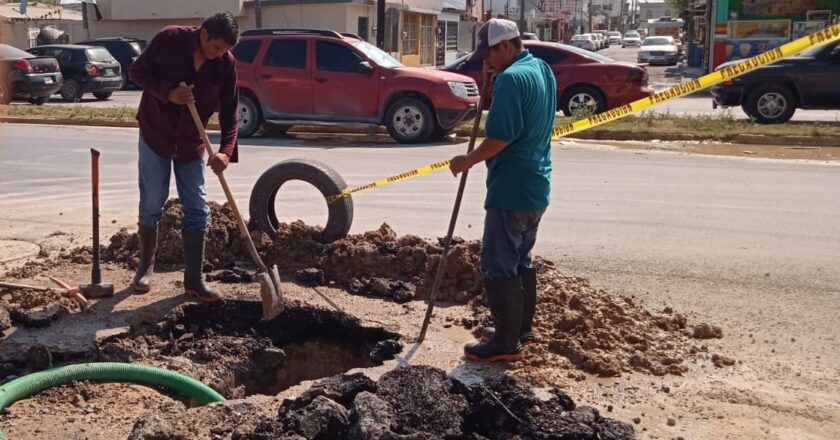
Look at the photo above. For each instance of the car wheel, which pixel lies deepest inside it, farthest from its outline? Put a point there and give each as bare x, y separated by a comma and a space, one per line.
102, 95
409, 121
324, 178
250, 116
71, 91
580, 98
38, 101
770, 104
5, 96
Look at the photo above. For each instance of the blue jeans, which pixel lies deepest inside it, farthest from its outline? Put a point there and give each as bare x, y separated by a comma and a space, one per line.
153, 176
509, 237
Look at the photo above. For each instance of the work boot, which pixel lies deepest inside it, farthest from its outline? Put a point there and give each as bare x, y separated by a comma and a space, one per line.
193, 242
504, 298
148, 248
529, 307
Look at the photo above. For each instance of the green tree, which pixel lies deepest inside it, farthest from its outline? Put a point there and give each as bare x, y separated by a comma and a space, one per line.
679, 6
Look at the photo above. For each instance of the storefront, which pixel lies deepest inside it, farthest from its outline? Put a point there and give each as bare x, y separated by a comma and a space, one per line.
745, 28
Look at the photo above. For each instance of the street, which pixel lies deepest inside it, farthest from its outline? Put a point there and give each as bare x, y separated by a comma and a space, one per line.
749, 244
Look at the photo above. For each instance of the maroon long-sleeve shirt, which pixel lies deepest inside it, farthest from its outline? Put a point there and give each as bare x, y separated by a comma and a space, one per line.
167, 127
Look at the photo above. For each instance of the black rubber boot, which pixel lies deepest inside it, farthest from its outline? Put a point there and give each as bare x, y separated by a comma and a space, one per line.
148, 248
193, 242
529, 307
504, 297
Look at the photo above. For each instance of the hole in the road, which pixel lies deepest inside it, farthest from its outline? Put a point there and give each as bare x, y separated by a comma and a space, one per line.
298, 200
226, 346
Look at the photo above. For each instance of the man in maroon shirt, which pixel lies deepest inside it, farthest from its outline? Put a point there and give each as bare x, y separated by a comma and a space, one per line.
200, 59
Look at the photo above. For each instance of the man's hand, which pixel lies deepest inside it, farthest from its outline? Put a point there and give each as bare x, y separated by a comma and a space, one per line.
219, 162
182, 95
459, 164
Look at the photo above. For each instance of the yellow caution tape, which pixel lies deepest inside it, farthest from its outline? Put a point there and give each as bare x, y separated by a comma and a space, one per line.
824, 36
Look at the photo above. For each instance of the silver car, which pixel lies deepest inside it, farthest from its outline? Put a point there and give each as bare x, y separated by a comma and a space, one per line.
585, 41
659, 50
615, 38
631, 39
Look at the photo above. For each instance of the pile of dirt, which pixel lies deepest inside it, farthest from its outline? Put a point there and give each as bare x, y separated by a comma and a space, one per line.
602, 333
32, 308
373, 263
421, 402
228, 347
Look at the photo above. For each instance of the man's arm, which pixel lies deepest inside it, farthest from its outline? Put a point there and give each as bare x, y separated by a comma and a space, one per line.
228, 112
141, 70
489, 148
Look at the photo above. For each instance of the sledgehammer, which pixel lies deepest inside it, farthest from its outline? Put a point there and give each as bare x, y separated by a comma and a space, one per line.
96, 289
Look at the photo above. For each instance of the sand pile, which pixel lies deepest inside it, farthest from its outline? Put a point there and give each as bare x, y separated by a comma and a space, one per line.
602, 333
375, 263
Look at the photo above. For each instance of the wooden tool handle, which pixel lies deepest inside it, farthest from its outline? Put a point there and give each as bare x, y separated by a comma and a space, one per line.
243, 228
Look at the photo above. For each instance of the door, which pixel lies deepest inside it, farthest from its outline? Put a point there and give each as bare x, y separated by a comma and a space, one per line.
285, 79
821, 86
344, 87
362, 28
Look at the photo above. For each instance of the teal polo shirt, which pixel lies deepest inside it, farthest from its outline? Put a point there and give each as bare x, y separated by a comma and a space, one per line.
522, 114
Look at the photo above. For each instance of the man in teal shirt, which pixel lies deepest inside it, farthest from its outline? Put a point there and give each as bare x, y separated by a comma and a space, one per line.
517, 150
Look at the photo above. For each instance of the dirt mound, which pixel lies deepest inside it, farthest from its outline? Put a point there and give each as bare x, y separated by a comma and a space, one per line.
407, 264
421, 402
602, 333
228, 347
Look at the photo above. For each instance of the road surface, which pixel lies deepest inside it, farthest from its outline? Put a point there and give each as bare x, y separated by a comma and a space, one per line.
748, 244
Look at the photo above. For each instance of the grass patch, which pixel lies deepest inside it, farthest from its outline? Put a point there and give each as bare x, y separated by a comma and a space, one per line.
73, 113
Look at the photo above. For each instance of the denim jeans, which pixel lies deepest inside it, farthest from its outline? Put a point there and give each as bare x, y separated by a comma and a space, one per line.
509, 237
153, 176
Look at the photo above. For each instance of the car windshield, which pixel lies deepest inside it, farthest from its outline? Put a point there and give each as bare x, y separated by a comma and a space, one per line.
615, 34
99, 54
631, 35
9, 52
653, 41
580, 37
377, 55
586, 54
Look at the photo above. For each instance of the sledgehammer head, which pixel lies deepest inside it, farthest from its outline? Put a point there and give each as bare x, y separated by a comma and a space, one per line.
97, 290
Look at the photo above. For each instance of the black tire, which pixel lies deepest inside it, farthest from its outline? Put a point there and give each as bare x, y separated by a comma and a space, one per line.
770, 104
250, 116
409, 121
38, 101
574, 97
325, 179
71, 91
102, 96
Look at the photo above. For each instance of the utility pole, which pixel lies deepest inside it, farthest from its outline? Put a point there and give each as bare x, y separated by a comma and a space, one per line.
380, 24
590, 16
258, 13
522, 24
85, 21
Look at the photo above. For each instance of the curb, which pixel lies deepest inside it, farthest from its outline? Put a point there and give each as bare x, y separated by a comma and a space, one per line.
604, 135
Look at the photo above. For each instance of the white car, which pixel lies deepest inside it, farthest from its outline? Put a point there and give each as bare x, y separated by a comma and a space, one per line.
615, 37
659, 50
530, 36
585, 41
631, 39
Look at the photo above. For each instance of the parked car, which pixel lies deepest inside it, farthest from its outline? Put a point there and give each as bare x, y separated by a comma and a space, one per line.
602, 42
585, 80
604, 35
125, 50
631, 39
530, 36
86, 69
25, 76
314, 76
659, 50
585, 41
771, 94
615, 38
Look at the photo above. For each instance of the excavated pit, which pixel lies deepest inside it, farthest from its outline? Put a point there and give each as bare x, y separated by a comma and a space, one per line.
228, 347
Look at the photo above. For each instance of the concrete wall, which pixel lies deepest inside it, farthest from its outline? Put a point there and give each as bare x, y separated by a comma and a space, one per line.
166, 9
17, 34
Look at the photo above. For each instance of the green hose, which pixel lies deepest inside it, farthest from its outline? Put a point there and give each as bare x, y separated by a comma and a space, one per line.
106, 372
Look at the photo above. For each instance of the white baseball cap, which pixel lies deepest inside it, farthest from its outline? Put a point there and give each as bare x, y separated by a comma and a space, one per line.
492, 33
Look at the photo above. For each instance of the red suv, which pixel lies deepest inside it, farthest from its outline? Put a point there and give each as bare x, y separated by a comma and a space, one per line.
585, 80
302, 76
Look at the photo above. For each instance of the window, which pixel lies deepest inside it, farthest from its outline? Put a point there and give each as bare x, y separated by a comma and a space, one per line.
334, 57
362, 27
547, 55
290, 54
451, 36
411, 31
99, 54
246, 51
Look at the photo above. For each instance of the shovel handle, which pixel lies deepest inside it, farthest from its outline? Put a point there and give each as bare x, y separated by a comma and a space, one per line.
243, 228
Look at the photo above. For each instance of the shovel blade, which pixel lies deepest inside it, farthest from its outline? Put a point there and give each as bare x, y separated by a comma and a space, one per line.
272, 296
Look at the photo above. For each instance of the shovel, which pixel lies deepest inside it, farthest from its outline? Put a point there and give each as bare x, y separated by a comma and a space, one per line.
270, 289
